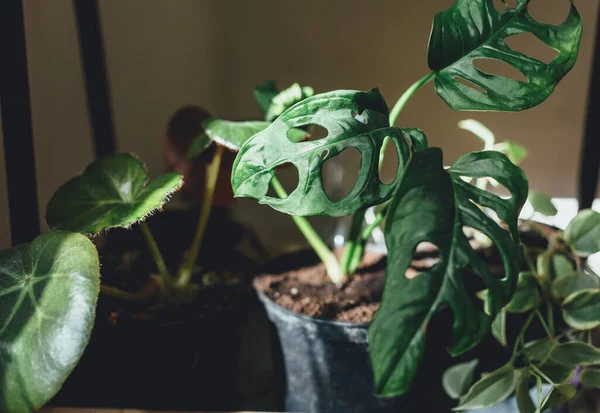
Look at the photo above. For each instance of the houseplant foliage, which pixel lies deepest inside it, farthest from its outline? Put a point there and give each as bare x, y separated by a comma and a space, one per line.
429, 203
561, 294
48, 293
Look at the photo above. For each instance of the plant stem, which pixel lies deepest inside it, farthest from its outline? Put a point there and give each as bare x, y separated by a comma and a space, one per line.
541, 374
149, 291
352, 241
544, 324
550, 316
521, 335
334, 270
153, 247
212, 173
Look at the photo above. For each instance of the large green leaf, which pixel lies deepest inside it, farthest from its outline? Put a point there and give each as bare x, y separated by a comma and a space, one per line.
490, 390
113, 191
434, 205
48, 293
474, 29
581, 310
583, 232
352, 119
575, 353
457, 379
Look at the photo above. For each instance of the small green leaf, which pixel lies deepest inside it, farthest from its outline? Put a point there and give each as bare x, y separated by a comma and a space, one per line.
114, 191
524, 402
562, 266
537, 350
458, 378
542, 203
557, 372
573, 283
526, 296
583, 233
490, 390
515, 152
590, 377
287, 98
581, 310
575, 353
199, 144
48, 294
499, 328
471, 30
559, 395
265, 93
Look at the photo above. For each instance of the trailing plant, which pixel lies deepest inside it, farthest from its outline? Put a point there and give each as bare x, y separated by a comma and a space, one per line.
48, 293
560, 294
425, 202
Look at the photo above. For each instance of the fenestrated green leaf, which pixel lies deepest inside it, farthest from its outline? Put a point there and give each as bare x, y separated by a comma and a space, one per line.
542, 203
458, 378
583, 233
113, 191
524, 402
490, 389
474, 29
48, 293
556, 372
538, 350
582, 309
575, 353
434, 205
590, 377
287, 98
565, 286
265, 93
352, 119
526, 296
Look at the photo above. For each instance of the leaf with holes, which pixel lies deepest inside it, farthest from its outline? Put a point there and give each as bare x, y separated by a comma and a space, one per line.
583, 233
113, 191
581, 310
352, 119
474, 29
434, 205
48, 293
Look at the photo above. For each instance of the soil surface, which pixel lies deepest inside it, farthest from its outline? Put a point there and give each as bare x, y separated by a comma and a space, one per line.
296, 283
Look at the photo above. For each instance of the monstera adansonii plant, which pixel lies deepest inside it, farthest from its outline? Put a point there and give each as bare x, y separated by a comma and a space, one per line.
426, 201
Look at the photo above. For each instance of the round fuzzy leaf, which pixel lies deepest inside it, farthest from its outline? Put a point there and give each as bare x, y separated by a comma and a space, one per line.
537, 350
572, 283
582, 309
474, 29
457, 379
590, 377
575, 353
542, 203
490, 390
352, 119
48, 293
526, 296
583, 233
113, 191
433, 204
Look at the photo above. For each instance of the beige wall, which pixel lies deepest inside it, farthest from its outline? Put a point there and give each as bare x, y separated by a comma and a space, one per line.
163, 54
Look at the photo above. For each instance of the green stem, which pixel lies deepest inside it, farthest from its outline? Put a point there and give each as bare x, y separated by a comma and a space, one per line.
153, 247
352, 241
550, 311
334, 270
521, 335
212, 173
541, 374
544, 324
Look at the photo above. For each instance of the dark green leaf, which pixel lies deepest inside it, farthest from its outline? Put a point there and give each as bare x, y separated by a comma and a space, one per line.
572, 283
575, 353
114, 191
556, 372
490, 390
199, 144
581, 310
526, 296
542, 203
583, 233
590, 377
434, 205
458, 378
352, 119
524, 402
265, 93
558, 396
48, 293
538, 350
499, 328
474, 29
287, 98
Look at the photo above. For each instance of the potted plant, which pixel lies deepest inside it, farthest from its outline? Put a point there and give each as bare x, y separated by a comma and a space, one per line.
327, 361
48, 293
